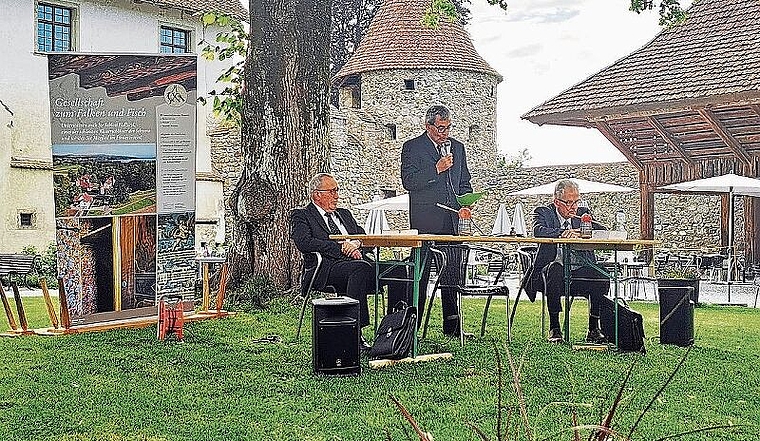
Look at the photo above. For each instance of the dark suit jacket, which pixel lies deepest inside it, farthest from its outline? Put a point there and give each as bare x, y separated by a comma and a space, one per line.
426, 187
308, 229
547, 224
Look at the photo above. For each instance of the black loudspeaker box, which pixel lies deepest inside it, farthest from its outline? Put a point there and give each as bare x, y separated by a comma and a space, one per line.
676, 303
335, 336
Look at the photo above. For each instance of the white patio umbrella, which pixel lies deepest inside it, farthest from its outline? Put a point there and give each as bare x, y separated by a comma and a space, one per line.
376, 222
502, 224
584, 186
400, 202
729, 183
518, 220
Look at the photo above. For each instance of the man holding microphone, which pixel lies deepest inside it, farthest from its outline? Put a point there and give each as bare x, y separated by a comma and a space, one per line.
434, 171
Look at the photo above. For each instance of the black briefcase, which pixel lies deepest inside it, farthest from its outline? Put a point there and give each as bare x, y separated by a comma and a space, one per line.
630, 325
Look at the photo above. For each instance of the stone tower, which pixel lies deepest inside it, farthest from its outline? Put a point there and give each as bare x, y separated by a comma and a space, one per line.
401, 68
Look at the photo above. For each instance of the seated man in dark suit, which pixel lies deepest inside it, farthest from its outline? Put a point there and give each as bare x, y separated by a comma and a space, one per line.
343, 265
562, 219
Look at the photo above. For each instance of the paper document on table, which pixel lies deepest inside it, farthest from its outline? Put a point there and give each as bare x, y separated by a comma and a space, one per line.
609, 234
412, 232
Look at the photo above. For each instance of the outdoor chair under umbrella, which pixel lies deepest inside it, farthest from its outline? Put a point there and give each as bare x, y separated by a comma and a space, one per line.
729, 183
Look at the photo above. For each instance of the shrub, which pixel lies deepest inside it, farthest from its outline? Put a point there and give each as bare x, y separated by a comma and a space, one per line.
47, 267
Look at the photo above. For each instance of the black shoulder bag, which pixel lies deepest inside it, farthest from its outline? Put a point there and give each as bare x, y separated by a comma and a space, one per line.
395, 334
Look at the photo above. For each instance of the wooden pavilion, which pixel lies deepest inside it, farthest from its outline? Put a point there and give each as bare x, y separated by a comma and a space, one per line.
685, 106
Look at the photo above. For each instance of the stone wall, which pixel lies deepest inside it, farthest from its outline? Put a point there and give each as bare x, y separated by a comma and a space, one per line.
226, 162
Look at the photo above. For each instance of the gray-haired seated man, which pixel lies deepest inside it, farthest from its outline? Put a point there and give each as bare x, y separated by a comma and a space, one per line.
562, 219
343, 264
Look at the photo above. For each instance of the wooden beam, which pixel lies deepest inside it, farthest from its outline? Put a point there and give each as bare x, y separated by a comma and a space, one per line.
725, 218
725, 135
606, 130
672, 142
751, 226
646, 220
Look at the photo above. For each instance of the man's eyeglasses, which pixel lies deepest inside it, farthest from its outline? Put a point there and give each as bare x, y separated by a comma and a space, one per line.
570, 203
441, 129
332, 191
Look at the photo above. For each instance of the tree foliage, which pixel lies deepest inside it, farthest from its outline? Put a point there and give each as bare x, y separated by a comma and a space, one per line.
671, 12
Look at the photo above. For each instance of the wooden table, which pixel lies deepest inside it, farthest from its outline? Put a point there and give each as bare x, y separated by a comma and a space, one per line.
415, 241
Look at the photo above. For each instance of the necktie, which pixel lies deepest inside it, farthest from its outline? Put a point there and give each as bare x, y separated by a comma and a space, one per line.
566, 225
331, 225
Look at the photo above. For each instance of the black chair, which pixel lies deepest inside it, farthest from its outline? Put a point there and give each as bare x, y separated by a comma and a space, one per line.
438, 263
308, 277
489, 287
525, 256
545, 305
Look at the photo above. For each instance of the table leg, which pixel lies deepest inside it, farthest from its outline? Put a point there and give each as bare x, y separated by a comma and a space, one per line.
206, 289
377, 284
566, 276
416, 251
615, 290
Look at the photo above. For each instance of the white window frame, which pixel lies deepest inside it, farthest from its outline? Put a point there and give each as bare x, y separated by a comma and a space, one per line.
73, 24
175, 27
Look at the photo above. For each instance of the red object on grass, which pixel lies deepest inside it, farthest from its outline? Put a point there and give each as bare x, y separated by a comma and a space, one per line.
170, 317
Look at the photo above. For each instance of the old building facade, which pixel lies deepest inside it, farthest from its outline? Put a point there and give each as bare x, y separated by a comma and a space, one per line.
33, 28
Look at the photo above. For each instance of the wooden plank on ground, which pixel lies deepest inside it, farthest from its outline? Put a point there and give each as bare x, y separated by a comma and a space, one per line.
376, 364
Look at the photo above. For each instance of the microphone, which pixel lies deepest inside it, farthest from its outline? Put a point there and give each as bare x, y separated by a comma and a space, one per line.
445, 148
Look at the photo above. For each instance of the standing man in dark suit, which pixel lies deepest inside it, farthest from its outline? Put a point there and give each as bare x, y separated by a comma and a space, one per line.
562, 219
434, 171
343, 265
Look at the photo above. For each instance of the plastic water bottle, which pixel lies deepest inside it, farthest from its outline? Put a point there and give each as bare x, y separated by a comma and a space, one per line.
586, 226
465, 222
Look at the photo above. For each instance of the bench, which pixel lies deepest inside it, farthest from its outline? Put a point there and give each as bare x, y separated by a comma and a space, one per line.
12, 268
18, 265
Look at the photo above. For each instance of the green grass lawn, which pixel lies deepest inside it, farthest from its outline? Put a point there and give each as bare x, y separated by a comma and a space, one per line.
224, 383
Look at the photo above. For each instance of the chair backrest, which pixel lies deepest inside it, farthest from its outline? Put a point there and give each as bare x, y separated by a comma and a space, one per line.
526, 255
311, 263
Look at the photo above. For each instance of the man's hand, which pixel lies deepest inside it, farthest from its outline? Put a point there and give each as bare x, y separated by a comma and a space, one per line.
465, 213
570, 233
351, 249
444, 163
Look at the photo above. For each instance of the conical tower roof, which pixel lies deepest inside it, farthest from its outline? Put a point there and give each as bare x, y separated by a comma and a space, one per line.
396, 39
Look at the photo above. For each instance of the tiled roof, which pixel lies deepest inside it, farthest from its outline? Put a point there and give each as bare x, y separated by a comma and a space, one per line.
397, 40
231, 7
715, 53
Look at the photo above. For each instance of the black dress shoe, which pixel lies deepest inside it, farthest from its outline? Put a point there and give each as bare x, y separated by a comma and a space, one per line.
555, 336
595, 336
467, 335
364, 346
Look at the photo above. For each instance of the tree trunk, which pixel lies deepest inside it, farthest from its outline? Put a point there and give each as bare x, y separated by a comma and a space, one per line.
284, 131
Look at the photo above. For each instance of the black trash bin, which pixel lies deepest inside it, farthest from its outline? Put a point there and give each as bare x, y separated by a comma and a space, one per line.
694, 283
335, 336
676, 315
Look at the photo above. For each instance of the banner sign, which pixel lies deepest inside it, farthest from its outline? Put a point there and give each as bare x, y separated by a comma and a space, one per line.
123, 136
